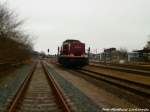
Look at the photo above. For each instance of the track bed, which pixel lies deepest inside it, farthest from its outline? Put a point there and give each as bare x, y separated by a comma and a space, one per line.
39, 95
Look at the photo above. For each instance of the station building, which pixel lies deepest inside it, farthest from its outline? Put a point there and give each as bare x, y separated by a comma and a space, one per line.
140, 56
112, 55
143, 55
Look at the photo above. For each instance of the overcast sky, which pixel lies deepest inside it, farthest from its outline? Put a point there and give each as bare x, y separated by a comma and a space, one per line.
99, 23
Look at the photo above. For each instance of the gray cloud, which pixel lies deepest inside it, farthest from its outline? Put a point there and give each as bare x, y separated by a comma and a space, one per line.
98, 23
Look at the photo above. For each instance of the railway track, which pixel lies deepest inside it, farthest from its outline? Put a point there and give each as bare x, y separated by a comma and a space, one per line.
125, 83
116, 87
130, 66
39, 93
123, 69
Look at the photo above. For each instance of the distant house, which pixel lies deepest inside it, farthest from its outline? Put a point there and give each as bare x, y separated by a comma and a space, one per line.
109, 55
144, 55
112, 55
133, 57
140, 56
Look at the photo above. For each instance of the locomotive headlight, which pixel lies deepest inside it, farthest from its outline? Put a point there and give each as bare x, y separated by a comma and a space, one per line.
83, 55
71, 54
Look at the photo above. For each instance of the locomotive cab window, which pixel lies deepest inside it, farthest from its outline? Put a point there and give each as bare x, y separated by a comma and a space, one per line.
65, 47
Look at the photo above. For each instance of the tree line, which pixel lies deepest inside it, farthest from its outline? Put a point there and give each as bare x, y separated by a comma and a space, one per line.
15, 45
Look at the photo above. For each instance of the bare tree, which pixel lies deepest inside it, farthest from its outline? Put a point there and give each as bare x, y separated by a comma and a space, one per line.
15, 45
123, 53
148, 44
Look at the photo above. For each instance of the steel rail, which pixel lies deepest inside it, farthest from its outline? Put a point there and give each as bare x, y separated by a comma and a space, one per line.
20, 91
123, 69
57, 89
126, 84
131, 66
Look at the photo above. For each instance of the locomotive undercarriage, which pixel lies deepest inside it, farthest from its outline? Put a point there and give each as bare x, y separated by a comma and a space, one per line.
73, 61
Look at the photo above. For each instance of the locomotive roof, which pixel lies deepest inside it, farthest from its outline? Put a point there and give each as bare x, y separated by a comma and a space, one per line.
71, 41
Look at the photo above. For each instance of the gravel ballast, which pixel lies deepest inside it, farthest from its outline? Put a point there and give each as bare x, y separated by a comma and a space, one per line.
10, 83
80, 100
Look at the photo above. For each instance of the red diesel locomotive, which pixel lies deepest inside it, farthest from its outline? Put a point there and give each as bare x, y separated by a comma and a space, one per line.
72, 53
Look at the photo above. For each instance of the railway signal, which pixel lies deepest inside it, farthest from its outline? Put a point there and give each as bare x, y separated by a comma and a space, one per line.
48, 51
88, 51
